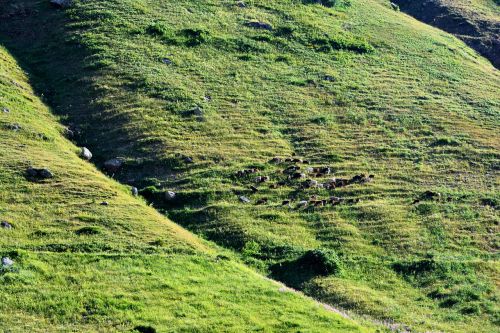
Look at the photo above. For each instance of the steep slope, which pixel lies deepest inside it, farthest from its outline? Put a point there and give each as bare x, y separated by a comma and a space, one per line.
359, 88
476, 22
80, 266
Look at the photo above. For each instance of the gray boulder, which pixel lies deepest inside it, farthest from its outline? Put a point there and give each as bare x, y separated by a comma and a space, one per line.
167, 61
85, 154
38, 174
7, 262
310, 183
198, 113
244, 199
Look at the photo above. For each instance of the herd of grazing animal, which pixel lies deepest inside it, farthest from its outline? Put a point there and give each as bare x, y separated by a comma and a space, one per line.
297, 175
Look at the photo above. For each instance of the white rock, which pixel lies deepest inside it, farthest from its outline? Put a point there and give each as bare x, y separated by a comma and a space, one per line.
7, 262
169, 195
86, 154
135, 191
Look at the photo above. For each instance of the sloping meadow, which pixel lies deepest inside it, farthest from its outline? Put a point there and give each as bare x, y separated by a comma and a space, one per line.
343, 148
80, 253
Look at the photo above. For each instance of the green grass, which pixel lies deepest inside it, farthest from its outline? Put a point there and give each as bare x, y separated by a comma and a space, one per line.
83, 267
359, 87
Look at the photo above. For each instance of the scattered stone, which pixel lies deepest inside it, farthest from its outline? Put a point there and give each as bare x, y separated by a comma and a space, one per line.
262, 201
5, 225
244, 199
7, 262
428, 195
259, 25
302, 204
113, 165
207, 98
357, 179
241, 4
262, 179
335, 200
254, 189
135, 191
352, 201
395, 6
5, 110
197, 112
188, 160
14, 127
286, 203
38, 174
291, 169
60, 3
169, 195
68, 133
167, 61
242, 173
276, 160
104, 203
298, 175
85, 154
310, 183
341, 182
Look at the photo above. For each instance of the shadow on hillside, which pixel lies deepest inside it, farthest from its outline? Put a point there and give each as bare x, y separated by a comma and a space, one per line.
477, 32
40, 38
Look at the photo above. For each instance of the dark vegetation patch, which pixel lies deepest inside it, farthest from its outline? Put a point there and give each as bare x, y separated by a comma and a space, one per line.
456, 283
90, 230
329, 3
312, 263
326, 43
144, 329
445, 141
189, 37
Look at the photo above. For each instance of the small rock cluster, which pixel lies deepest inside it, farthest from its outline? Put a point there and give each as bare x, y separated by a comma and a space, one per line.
299, 175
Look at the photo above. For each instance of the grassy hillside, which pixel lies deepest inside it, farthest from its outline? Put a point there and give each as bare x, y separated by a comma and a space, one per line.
355, 86
80, 266
476, 22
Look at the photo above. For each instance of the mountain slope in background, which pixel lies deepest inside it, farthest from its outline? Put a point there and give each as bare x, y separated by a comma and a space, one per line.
476, 22
190, 93
82, 266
